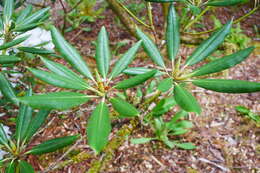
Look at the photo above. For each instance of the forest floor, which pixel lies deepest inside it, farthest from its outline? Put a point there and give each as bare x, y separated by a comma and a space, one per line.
225, 140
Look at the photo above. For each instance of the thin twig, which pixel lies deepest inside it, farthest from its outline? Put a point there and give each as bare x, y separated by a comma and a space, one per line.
157, 161
55, 164
64, 16
235, 22
75, 6
132, 15
214, 164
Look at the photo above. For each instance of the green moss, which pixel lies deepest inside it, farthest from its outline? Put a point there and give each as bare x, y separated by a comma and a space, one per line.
80, 157
97, 165
113, 145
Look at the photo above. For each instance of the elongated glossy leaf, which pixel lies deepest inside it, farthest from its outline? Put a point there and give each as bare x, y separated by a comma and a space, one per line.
223, 63
150, 48
70, 53
210, 45
25, 13
23, 120
53, 145
126, 59
36, 123
8, 59
103, 54
124, 108
242, 109
141, 140
186, 145
63, 71
178, 115
11, 167
165, 85
34, 18
24, 28
8, 9
35, 50
172, 33
163, 106
224, 3
25, 167
7, 90
1, 24
99, 127
58, 100
140, 70
178, 131
134, 81
57, 80
228, 86
161, 1
14, 42
181, 124
186, 100
3, 136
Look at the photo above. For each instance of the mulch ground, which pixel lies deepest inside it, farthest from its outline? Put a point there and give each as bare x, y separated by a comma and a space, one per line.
226, 141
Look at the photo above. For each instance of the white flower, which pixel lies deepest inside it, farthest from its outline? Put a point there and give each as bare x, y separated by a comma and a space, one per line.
8, 133
38, 36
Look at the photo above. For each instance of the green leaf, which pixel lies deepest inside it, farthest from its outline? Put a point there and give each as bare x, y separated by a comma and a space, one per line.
7, 89
9, 59
165, 85
57, 80
23, 120
186, 100
223, 63
161, 1
150, 48
141, 140
25, 13
186, 145
151, 87
127, 58
103, 54
70, 53
134, 81
14, 42
159, 126
210, 45
1, 24
181, 124
11, 167
178, 131
53, 145
224, 3
178, 115
195, 10
33, 18
35, 50
172, 33
242, 109
36, 123
63, 71
58, 100
24, 28
124, 108
163, 106
169, 143
228, 86
25, 167
8, 9
140, 70
3, 136
99, 127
